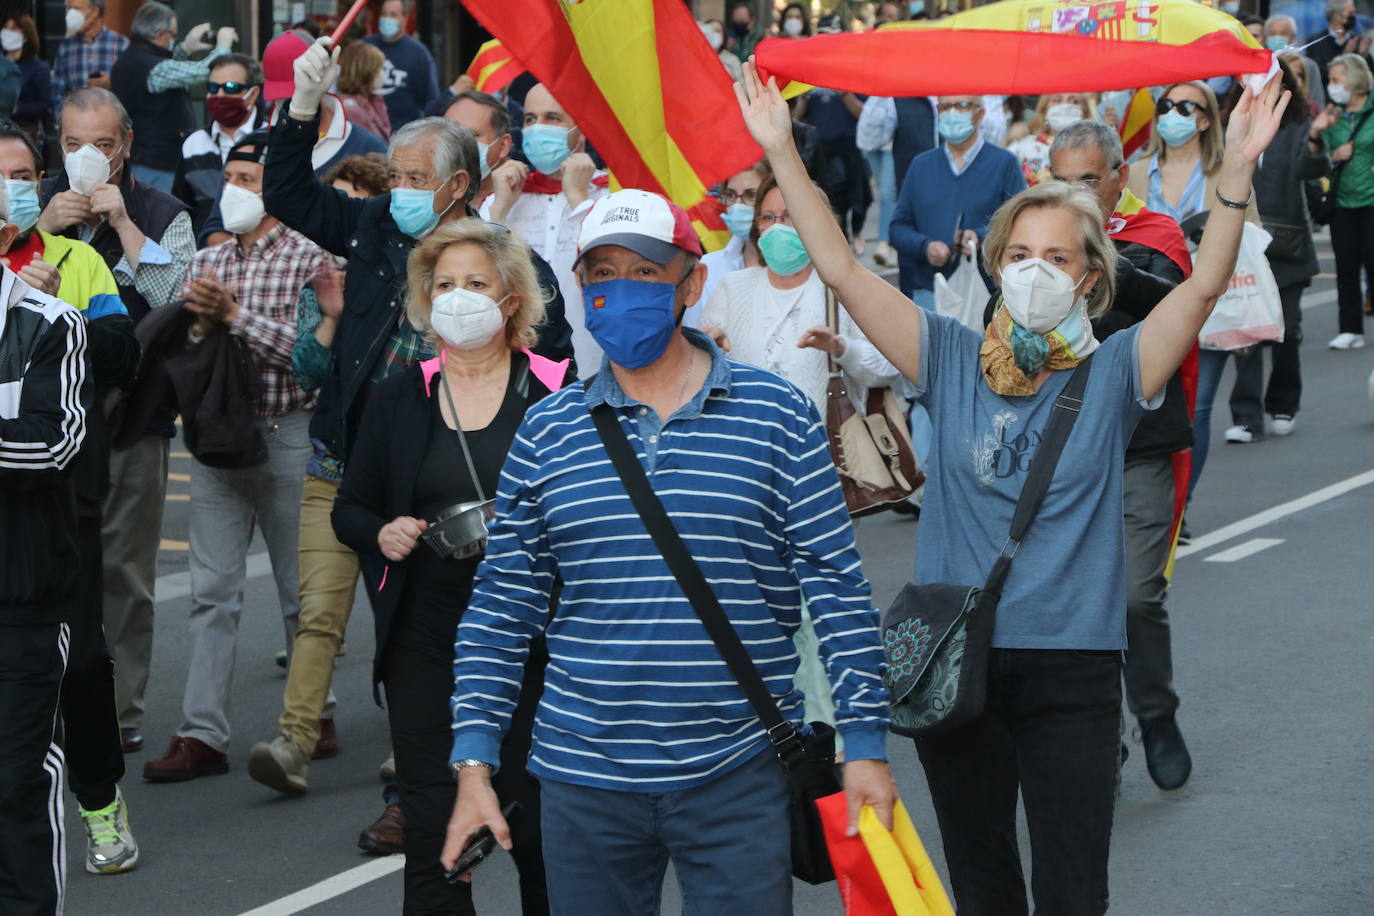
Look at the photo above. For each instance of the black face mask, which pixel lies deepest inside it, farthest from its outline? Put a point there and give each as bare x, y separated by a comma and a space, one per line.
739, 29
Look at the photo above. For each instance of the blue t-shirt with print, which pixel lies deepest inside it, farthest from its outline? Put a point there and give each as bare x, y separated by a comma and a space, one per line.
1067, 587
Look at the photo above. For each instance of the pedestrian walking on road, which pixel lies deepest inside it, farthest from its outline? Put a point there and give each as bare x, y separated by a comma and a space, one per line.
1050, 730
1350, 138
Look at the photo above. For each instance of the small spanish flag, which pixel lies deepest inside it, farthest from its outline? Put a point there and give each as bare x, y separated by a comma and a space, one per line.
493, 67
598, 302
1135, 123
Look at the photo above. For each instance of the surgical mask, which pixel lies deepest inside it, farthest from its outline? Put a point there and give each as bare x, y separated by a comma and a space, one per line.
782, 250
1176, 129
413, 211
792, 27
631, 320
86, 168
1276, 42
1338, 93
23, 198
739, 29
241, 209
739, 219
389, 28
10, 40
466, 319
956, 126
482, 149
546, 146
1038, 295
75, 19
1231, 8
1060, 117
713, 37
916, 7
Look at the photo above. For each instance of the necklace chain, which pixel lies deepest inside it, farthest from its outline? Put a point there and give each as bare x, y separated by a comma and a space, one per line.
687, 376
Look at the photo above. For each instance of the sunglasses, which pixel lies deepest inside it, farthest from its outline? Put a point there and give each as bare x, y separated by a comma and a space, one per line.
232, 87
1185, 106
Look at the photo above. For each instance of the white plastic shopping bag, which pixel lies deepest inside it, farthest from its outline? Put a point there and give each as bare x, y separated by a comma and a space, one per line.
1249, 312
877, 124
963, 295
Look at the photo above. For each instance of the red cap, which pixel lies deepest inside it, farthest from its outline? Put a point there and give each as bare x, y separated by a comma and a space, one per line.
279, 76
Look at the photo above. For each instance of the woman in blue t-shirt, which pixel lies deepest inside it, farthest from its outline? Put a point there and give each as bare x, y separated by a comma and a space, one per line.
1050, 728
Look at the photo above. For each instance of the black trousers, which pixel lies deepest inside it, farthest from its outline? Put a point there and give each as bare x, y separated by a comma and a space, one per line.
1250, 399
1052, 730
33, 857
95, 759
1352, 242
418, 676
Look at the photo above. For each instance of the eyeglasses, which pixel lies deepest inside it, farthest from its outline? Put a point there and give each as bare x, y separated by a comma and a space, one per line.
729, 197
1185, 106
767, 220
943, 107
232, 87
1087, 184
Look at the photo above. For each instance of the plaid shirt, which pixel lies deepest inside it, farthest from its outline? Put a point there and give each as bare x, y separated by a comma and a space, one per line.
266, 280
78, 58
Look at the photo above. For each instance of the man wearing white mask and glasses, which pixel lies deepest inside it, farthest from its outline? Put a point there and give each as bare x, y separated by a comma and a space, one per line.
249, 284
87, 53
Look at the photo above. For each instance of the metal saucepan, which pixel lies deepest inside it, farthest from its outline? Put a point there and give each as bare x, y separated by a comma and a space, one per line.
460, 531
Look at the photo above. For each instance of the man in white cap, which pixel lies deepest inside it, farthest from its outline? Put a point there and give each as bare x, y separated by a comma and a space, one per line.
645, 746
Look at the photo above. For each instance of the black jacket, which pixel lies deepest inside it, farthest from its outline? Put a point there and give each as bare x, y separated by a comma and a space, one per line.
113, 354
914, 135
362, 231
161, 119
379, 482
1282, 201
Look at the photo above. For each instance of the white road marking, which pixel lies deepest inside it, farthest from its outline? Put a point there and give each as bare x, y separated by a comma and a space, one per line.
1283, 510
1241, 551
336, 886
1317, 300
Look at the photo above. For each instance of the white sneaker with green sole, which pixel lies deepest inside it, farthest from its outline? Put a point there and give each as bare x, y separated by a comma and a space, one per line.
110, 844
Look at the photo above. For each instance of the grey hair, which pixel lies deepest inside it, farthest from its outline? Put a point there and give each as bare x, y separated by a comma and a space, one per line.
1090, 135
1357, 76
1282, 19
455, 149
151, 18
1333, 7
92, 98
251, 68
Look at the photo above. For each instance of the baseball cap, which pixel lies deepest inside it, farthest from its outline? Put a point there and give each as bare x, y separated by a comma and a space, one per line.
648, 224
279, 75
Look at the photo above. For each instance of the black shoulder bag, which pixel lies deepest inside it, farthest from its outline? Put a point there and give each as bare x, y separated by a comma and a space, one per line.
937, 637
808, 759
1323, 203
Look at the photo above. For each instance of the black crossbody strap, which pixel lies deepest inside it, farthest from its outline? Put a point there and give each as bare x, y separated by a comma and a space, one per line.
689, 577
1065, 413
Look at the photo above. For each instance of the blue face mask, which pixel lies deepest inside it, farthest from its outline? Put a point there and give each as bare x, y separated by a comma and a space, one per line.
1276, 42
1175, 129
916, 7
956, 126
413, 210
546, 147
389, 28
739, 219
782, 250
482, 159
24, 209
631, 320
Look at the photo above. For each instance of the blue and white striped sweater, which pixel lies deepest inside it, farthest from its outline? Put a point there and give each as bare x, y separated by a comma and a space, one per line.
636, 696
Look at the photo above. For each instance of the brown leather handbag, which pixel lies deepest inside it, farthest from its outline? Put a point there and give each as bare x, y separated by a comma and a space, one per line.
872, 450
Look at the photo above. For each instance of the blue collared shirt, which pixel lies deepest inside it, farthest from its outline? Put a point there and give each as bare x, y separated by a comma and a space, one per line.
1191, 202
969, 156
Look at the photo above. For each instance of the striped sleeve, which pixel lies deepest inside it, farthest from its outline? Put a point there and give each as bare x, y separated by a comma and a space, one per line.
825, 560
509, 607
49, 425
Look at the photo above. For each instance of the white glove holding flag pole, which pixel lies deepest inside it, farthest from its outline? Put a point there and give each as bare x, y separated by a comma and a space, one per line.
226, 37
316, 71
195, 42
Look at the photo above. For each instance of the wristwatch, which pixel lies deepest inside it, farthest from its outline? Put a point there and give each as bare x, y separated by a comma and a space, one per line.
460, 765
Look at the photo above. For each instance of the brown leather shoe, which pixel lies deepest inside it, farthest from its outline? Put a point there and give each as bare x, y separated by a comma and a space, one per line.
130, 740
328, 745
387, 834
187, 758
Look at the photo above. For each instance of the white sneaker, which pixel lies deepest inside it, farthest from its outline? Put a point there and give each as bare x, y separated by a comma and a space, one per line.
1346, 341
1282, 424
1240, 434
110, 844
884, 255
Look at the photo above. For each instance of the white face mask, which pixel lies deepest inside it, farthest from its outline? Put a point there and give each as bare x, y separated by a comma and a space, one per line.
792, 27
466, 319
75, 19
1038, 295
1059, 117
713, 36
86, 168
241, 209
10, 40
1338, 93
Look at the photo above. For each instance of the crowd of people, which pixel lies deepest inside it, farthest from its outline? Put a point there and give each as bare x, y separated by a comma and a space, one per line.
396, 324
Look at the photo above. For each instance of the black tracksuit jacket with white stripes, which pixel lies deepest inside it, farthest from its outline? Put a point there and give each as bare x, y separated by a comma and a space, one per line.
45, 395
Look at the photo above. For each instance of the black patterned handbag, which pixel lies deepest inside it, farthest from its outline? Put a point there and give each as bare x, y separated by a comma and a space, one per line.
937, 637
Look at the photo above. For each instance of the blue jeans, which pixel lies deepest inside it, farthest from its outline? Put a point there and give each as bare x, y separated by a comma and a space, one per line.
1211, 364
880, 163
157, 178
606, 851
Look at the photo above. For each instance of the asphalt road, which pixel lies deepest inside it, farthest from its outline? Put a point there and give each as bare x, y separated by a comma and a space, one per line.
1274, 649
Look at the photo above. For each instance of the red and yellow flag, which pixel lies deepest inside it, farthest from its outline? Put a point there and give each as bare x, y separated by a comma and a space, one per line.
1136, 122
493, 67
642, 83
1026, 47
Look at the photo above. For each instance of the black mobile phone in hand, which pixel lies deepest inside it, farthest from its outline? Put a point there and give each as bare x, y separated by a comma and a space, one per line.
480, 846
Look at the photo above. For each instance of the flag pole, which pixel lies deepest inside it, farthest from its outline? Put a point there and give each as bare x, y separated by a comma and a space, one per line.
346, 21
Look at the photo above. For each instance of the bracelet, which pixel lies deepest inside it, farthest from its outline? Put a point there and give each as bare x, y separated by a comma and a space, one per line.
470, 763
1234, 204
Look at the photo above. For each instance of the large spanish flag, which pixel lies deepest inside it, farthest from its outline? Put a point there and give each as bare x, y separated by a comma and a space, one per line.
642, 83
1026, 47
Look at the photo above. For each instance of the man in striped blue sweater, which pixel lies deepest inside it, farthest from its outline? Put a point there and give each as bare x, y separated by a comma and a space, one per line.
645, 746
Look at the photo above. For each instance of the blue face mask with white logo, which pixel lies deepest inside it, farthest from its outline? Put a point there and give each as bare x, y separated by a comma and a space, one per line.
956, 126
413, 210
389, 28
739, 219
1175, 129
546, 147
24, 208
631, 320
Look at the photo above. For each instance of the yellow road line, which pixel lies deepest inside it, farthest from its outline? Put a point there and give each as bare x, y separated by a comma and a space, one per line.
173, 545
178, 497
180, 478
181, 454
